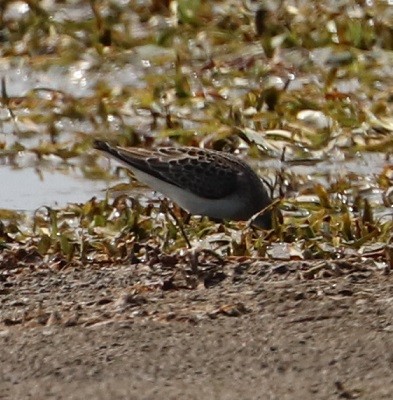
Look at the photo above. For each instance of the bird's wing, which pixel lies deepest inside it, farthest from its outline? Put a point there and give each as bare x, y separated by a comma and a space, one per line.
207, 174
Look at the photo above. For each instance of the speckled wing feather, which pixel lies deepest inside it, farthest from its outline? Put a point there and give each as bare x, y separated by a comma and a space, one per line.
187, 167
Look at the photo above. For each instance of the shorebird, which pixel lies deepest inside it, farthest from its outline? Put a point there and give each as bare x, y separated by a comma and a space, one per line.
203, 182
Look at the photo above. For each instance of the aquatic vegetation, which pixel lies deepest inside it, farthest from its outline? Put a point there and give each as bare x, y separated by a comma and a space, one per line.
303, 90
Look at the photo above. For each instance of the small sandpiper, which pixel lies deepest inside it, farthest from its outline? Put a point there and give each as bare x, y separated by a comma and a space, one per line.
203, 182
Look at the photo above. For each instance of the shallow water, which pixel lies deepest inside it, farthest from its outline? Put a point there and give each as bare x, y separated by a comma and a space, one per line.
27, 190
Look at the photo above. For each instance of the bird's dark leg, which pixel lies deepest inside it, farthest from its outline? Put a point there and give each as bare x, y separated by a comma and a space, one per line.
178, 223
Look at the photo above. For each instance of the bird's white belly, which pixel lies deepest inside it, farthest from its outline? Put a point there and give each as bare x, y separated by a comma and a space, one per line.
225, 208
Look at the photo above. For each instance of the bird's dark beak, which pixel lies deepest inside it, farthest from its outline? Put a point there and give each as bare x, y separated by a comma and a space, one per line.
262, 220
